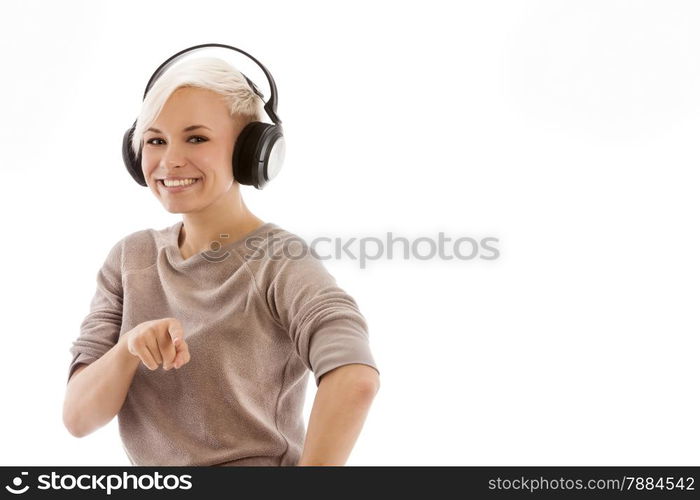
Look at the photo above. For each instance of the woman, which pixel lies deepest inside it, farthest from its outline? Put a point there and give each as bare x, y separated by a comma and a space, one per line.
204, 355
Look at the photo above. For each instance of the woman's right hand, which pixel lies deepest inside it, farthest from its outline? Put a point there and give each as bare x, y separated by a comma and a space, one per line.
159, 341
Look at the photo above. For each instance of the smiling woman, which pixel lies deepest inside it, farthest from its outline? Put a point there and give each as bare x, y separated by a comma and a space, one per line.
236, 336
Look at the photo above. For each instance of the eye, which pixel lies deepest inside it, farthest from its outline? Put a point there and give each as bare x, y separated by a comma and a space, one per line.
199, 138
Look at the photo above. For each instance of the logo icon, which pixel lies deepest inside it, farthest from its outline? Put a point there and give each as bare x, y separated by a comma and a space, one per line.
17, 482
216, 258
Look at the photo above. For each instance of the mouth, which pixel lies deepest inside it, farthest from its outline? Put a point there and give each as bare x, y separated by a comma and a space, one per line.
178, 188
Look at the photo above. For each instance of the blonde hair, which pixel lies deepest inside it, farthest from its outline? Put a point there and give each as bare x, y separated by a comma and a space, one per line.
205, 72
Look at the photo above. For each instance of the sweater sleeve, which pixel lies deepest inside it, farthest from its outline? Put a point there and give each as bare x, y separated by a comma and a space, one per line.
100, 329
323, 321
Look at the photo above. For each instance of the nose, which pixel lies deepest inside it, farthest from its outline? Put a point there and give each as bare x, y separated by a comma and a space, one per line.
173, 157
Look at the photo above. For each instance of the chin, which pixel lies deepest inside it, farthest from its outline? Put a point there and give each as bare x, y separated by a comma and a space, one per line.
179, 210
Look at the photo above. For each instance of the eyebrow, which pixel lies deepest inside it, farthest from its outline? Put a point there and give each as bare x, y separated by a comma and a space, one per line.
186, 129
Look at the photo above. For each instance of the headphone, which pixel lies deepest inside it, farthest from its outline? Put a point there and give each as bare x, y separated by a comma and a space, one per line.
259, 150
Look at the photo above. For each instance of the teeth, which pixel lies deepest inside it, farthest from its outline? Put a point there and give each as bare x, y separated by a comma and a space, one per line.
176, 183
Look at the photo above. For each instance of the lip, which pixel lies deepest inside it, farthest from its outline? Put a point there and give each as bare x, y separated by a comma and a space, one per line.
179, 189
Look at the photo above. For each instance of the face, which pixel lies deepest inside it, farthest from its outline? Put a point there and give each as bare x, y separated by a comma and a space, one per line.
172, 148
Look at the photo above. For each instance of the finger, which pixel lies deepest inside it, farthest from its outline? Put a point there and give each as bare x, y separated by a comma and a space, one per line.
183, 353
175, 330
152, 345
145, 356
177, 335
167, 351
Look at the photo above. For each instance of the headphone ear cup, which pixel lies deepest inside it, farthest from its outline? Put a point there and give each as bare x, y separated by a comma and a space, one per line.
252, 156
244, 161
132, 162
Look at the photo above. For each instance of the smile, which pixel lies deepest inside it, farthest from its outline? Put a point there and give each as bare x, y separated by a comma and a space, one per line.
179, 186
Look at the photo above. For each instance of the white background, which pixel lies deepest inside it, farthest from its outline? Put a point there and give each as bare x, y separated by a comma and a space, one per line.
568, 130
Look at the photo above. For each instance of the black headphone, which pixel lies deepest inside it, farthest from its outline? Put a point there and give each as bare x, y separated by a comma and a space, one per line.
259, 150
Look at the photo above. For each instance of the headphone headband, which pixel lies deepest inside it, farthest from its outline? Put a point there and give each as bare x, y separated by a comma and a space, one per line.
270, 106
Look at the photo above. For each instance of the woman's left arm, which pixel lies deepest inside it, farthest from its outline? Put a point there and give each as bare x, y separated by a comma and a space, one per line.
340, 407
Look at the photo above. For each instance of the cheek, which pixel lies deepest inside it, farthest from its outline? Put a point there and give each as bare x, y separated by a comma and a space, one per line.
148, 165
215, 166
149, 161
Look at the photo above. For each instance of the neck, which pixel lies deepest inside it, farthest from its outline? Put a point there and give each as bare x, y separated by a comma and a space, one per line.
224, 221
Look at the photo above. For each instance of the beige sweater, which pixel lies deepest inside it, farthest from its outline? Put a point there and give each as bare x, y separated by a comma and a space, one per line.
256, 316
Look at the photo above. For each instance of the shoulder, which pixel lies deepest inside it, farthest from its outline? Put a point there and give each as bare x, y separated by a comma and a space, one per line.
138, 249
283, 243
278, 253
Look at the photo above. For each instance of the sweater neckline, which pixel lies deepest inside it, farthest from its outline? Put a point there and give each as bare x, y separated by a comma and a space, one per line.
209, 255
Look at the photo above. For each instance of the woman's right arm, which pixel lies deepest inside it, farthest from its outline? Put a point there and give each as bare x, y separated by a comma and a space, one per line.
96, 392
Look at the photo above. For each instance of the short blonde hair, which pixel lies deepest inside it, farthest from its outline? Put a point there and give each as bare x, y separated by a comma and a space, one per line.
205, 72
